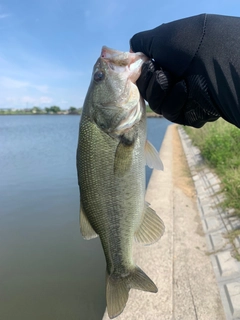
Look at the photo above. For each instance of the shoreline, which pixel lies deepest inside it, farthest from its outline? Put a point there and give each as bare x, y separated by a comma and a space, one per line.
153, 115
148, 114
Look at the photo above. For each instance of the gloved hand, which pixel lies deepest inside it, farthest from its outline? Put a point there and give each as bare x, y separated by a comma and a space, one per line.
187, 67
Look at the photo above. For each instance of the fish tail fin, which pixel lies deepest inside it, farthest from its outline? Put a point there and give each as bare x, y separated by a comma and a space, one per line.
117, 289
116, 295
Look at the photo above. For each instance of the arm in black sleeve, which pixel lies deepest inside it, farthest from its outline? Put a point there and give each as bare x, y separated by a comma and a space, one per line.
199, 56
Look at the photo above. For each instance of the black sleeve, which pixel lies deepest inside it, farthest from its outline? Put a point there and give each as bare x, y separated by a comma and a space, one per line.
206, 48
172, 45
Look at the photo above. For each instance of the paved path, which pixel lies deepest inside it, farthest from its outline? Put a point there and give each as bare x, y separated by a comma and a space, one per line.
217, 223
178, 263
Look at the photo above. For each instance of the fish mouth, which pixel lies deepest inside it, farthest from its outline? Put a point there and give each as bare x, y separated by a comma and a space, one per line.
121, 71
120, 62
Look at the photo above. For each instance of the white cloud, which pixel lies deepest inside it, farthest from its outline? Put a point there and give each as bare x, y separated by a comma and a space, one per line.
11, 100
4, 15
43, 88
45, 100
87, 13
25, 101
29, 80
10, 83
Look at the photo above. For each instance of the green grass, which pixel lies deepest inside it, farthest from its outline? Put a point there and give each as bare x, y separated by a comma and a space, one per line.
219, 143
231, 237
148, 109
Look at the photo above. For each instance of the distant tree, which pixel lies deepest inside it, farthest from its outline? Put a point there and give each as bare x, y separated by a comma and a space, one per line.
54, 109
72, 110
47, 109
36, 110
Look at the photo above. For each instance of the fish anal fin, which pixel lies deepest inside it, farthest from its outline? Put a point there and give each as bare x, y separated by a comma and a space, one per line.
85, 226
151, 228
152, 157
117, 289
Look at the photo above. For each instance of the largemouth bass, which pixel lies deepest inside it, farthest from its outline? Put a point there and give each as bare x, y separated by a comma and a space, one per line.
111, 157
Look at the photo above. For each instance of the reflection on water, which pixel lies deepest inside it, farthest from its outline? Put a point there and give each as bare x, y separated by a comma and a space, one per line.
47, 270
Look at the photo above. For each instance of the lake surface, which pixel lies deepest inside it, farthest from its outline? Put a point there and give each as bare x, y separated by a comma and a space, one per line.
47, 271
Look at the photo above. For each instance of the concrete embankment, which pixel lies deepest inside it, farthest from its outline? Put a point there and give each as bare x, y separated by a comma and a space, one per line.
178, 263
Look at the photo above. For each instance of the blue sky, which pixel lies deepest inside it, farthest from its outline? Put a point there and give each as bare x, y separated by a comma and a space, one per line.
48, 47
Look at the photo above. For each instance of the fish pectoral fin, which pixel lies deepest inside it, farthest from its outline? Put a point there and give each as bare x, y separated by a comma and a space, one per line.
123, 155
152, 157
151, 229
85, 226
117, 289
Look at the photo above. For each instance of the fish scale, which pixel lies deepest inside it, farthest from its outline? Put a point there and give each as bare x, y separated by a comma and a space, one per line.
107, 198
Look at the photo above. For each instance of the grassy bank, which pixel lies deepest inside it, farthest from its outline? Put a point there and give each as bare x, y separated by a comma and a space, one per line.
219, 143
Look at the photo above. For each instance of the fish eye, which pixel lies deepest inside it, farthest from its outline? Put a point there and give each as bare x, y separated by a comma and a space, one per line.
99, 75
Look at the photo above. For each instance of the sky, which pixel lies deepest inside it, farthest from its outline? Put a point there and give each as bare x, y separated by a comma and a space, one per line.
48, 47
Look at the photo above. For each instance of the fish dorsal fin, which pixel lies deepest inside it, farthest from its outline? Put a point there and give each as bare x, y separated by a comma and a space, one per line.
151, 228
85, 226
152, 157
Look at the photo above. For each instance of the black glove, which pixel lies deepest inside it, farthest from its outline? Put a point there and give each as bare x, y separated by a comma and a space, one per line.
187, 79
185, 102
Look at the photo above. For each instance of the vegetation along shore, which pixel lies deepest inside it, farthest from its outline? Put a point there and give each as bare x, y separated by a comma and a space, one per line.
38, 110
56, 110
219, 143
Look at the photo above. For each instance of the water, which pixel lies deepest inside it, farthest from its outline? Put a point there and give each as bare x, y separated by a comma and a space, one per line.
47, 270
